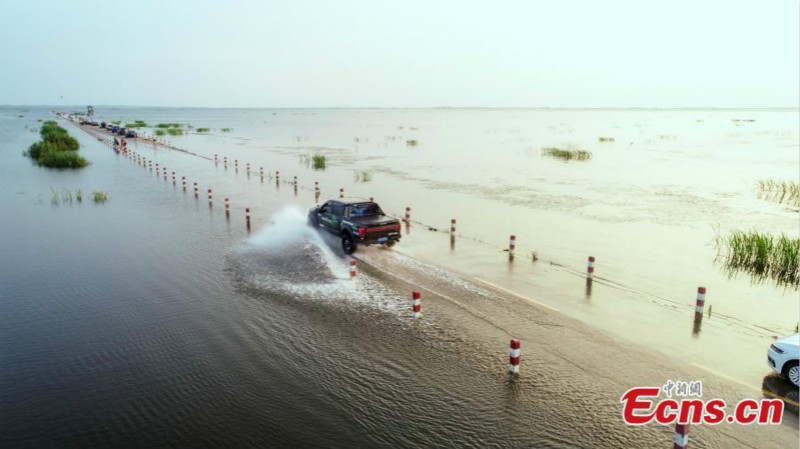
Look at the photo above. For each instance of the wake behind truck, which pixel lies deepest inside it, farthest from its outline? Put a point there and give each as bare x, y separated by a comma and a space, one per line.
356, 222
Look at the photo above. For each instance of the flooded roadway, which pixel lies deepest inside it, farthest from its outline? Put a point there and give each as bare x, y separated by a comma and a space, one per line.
152, 320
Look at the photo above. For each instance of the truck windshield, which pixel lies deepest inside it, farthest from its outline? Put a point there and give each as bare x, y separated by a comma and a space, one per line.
364, 210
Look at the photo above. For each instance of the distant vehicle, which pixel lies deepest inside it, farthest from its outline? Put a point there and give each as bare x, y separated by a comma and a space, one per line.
783, 357
102, 124
356, 222
115, 129
131, 134
122, 131
93, 123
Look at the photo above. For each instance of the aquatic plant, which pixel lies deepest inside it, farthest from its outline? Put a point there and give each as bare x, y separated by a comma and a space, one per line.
174, 131
605, 139
57, 148
136, 124
66, 195
54, 197
782, 192
99, 196
203, 130
317, 161
116, 122
567, 154
411, 143
160, 132
79, 195
168, 125
226, 130
762, 256
362, 176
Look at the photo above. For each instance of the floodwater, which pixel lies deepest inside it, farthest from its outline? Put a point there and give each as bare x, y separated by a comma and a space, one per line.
152, 320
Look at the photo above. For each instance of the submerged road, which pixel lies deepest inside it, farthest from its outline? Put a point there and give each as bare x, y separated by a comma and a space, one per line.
160, 323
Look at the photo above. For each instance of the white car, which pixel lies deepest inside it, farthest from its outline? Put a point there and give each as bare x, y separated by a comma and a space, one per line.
783, 355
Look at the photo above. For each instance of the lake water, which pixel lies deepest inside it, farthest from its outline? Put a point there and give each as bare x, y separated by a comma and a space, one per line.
154, 320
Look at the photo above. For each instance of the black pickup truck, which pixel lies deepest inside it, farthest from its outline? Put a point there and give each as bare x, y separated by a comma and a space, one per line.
357, 222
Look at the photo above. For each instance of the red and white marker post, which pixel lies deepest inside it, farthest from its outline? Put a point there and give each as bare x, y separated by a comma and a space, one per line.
225, 161
227, 207
295, 182
173, 179
247, 217
513, 357
681, 436
236, 164
248, 168
512, 245
590, 268
210, 200
417, 307
262, 172
183, 180
452, 228
701, 302
196, 190
371, 199
341, 192
352, 269
215, 160
165, 173
408, 215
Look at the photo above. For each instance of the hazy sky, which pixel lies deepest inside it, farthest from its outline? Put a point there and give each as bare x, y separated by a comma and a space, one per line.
343, 53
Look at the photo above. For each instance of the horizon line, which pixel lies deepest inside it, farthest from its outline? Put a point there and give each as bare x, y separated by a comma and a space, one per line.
610, 108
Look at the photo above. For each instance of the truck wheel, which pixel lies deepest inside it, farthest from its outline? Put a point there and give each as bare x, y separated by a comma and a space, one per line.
347, 244
389, 244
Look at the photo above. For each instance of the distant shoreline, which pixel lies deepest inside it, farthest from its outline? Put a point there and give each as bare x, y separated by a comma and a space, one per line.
455, 108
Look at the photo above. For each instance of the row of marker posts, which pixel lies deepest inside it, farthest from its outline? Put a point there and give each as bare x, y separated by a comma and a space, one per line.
681, 439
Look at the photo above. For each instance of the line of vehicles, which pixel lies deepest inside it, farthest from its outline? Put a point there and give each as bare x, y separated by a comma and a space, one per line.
114, 129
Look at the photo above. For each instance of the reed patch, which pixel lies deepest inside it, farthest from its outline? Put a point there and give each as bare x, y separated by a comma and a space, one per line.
782, 192
764, 257
569, 154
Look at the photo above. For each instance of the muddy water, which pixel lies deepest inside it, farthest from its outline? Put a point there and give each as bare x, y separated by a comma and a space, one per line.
153, 320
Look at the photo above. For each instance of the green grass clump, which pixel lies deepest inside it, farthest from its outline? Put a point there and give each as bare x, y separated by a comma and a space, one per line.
567, 154
226, 130
62, 159
57, 149
174, 131
160, 132
317, 161
99, 196
136, 124
116, 122
362, 176
762, 256
411, 143
605, 139
203, 130
782, 192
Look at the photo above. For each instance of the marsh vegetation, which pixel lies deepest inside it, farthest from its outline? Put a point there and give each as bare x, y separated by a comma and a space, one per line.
57, 149
317, 161
782, 192
567, 154
362, 176
762, 256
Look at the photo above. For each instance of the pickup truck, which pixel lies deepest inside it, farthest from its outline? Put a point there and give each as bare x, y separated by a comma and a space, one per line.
356, 222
